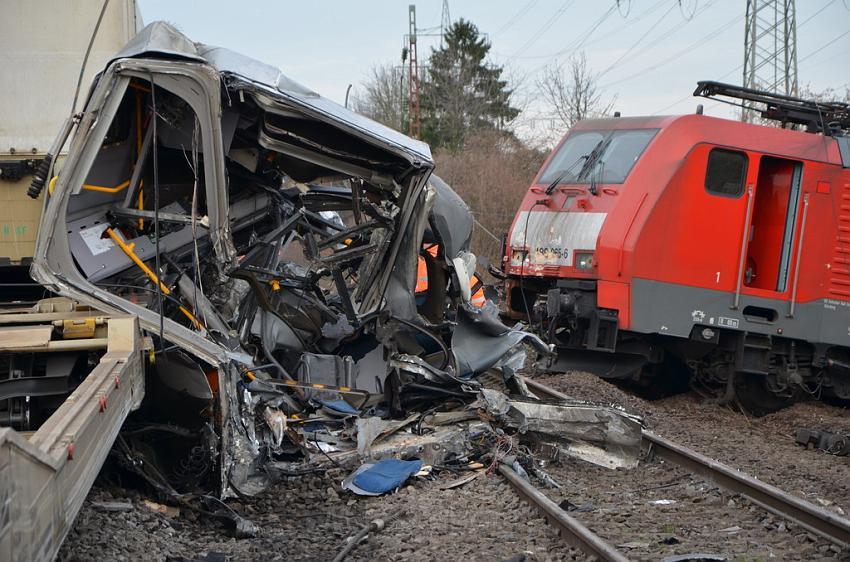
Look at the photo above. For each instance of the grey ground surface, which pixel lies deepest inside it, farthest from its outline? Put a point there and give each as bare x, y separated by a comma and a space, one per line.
703, 518
308, 518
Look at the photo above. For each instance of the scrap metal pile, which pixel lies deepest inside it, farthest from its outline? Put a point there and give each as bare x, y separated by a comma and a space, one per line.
269, 240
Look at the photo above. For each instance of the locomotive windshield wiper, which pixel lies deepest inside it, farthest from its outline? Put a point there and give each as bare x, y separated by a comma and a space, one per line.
563, 174
593, 158
589, 159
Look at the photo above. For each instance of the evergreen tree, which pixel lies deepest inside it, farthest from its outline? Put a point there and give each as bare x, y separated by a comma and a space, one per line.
461, 92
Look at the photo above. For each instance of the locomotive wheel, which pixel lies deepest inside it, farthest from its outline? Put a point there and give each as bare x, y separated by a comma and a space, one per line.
754, 397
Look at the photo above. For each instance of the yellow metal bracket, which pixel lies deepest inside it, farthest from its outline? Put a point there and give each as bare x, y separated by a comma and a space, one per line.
128, 250
79, 328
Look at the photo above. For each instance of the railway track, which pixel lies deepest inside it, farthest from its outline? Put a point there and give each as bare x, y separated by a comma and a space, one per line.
811, 517
570, 529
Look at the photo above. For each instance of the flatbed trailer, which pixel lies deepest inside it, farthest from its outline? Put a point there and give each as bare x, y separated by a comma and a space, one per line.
45, 475
48, 464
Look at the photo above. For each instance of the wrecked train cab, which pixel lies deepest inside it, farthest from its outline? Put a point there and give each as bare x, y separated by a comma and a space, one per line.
267, 239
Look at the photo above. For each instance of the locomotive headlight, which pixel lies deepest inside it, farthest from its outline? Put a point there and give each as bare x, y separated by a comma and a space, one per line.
584, 260
517, 257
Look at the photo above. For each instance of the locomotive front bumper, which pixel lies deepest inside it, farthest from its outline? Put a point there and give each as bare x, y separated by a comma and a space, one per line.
574, 319
564, 312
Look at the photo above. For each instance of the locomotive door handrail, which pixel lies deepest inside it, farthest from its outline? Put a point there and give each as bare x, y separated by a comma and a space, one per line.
744, 241
793, 303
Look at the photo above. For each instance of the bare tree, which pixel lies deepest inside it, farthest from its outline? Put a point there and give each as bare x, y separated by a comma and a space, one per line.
490, 158
383, 96
828, 95
571, 92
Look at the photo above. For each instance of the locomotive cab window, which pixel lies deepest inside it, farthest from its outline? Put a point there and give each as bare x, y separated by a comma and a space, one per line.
726, 172
606, 156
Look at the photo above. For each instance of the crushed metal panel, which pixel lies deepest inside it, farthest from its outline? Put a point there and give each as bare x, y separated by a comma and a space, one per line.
480, 340
599, 434
451, 218
432, 448
282, 265
160, 38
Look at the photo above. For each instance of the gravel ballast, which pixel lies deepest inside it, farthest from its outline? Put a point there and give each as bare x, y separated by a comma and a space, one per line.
649, 512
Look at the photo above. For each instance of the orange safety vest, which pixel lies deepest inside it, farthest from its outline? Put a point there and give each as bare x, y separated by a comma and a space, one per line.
477, 299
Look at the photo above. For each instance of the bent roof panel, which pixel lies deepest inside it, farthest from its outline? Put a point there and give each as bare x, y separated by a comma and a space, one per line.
161, 39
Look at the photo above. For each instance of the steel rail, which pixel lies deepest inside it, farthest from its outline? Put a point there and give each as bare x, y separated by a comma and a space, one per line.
571, 530
806, 514
812, 517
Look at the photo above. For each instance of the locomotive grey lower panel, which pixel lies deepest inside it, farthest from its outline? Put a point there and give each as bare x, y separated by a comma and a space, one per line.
672, 309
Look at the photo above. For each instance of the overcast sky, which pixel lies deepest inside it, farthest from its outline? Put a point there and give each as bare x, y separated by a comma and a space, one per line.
650, 53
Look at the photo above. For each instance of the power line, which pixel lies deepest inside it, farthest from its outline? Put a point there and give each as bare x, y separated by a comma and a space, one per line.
740, 66
533, 39
629, 23
576, 43
581, 39
516, 17
824, 46
484, 228
827, 5
701, 41
816, 51
672, 31
693, 12
636, 43
833, 57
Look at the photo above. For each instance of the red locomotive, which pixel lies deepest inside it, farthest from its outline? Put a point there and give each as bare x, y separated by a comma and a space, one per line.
650, 243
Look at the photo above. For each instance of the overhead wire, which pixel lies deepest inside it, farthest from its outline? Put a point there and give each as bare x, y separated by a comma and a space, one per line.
825, 6
588, 36
614, 32
486, 230
824, 46
672, 31
516, 17
835, 56
576, 43
636, 43
740, 66
693, 12
546, 26
584, 37
816, 51
698, 43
